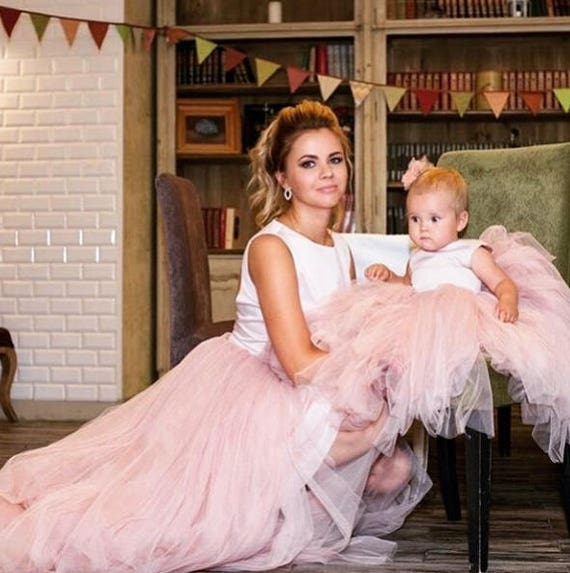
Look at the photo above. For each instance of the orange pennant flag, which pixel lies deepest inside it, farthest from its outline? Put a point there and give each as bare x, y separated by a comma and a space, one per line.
533, 100
461, 100
40, 22
148, 36
426, 99
98, 32
328, 85
296, 77
203, 48
174, 35
264, 70
497, 100
360, 91
233, 59
563, 96
393, 95
70, 28
9, 17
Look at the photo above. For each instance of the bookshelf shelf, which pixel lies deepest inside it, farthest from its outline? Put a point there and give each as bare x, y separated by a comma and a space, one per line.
476, 115
474, 26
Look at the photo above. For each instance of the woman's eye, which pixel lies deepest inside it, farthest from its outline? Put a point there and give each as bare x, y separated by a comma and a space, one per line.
308, 164
337, 159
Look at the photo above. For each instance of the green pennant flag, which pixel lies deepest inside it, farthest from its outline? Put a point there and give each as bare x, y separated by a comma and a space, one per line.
563, 96
40, 22
125, 32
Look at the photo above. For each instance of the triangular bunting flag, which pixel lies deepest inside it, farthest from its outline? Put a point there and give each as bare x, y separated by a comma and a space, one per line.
9, 18
393, 95
296, 77
70, 28
233, 59
98, 32
497, 101
204, 48
40, 22
126, 33
461, 101
174, 35
426, 99
563, 96
264, 69
328, 85
533, 100
148, 35
360, 91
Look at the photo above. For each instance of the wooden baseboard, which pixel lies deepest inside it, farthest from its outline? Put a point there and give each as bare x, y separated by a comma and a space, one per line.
57, 410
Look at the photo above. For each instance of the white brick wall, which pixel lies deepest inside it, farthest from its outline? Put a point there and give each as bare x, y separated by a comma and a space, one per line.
60, 203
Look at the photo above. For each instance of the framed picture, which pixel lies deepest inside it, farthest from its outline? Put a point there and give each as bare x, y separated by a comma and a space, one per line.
208, 126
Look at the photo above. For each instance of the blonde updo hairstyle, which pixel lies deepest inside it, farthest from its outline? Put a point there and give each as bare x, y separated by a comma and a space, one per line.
271, 151
442, 180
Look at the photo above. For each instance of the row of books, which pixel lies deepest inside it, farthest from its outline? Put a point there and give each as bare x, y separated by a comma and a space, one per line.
396, 221
399, 154
211, 70
513, 81
413, 9
224, 228
333, 59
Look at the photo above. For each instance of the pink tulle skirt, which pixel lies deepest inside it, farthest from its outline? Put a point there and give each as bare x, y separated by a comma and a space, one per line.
426, 353
218, 465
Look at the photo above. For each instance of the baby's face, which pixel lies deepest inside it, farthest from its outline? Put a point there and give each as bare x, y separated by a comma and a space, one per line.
432, 220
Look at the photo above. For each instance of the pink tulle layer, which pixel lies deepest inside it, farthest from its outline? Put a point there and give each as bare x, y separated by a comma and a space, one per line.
218, 465
426, 353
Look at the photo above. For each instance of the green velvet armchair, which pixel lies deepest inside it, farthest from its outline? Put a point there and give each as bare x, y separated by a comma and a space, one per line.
524, 189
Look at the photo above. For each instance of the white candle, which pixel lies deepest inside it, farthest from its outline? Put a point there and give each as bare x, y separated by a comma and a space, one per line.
274, 12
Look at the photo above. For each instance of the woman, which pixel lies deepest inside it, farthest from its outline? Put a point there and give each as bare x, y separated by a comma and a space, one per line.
226, 461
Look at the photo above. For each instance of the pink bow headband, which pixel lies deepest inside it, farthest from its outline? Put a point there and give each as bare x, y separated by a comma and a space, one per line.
415, 168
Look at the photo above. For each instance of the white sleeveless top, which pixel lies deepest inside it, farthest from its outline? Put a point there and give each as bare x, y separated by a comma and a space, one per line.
321, 270
450, 265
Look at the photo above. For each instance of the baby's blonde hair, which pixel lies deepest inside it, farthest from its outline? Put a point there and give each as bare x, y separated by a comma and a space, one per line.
442, 180
269, 156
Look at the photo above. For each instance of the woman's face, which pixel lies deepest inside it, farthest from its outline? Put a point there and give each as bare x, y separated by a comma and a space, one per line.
316, 169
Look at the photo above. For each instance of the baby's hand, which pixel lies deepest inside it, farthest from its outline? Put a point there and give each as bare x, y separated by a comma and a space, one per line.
378, 273
507, 311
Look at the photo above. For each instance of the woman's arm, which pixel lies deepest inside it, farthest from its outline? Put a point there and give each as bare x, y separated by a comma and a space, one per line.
498, 282
272, 270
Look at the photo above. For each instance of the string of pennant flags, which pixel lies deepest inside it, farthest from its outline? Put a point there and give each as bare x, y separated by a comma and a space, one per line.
145, 36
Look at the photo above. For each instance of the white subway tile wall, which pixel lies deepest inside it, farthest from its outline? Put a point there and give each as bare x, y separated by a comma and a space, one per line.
60, 202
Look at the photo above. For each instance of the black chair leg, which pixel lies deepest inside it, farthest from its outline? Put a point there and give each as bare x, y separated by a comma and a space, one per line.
446, 460
565, 485
504, 430
478, 473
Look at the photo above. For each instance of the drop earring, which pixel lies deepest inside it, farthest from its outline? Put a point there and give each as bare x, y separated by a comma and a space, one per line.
287, 193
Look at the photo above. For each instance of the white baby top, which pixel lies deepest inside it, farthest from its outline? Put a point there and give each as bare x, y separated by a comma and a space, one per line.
321, 270
449, 265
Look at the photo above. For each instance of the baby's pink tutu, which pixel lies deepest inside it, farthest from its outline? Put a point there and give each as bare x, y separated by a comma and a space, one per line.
425, 352
217, 465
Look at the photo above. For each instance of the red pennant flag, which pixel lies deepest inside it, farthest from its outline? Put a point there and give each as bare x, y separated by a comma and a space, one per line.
98, 32
426, 99
533, 100
497, 100
148, 36
174, 35
9, 18
296, 77
233, 59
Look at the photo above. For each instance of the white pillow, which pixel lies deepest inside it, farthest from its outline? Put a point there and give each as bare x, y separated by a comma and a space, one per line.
390, 250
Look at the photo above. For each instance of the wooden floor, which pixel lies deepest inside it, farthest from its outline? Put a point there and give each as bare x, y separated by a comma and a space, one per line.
528, 530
